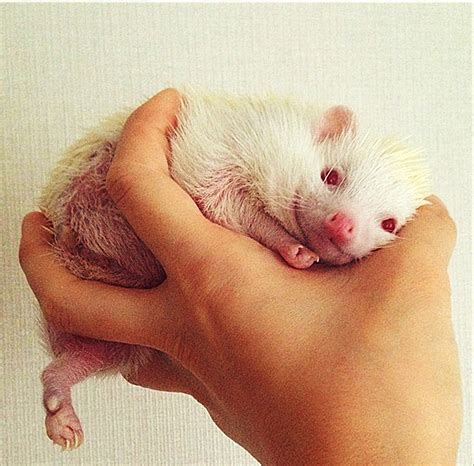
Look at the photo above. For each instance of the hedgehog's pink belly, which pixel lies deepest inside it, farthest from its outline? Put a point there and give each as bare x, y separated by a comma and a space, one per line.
94, 240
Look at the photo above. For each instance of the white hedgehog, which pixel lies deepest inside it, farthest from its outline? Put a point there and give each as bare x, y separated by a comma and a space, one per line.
296, 178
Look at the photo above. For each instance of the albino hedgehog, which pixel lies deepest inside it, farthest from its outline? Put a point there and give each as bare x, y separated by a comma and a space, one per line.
296, 178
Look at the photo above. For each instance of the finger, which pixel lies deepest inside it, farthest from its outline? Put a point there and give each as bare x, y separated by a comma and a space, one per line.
428, 239
161, 213
86, 307
432, 230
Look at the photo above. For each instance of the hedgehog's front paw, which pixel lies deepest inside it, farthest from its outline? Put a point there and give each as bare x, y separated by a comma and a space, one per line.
62, 425
298, 256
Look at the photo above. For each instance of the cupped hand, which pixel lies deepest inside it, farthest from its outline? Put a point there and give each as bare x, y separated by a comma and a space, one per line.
354, 364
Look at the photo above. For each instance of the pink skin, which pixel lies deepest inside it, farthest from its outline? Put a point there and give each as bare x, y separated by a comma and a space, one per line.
339, 228
62, 424
268, 232
331, 238
77, 358
329, 251
75, 363
335, 121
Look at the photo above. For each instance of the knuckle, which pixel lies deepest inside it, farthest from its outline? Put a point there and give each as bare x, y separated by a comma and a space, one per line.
24, 246
23, 255
146, 113
55, 304
132, 378
48, 308
440, 211
438, 207
138, 116
445, 222
120, 184
451, 228
170, 92
51, 310
439, 221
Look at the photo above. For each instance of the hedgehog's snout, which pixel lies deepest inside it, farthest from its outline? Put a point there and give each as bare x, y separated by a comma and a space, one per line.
339, 228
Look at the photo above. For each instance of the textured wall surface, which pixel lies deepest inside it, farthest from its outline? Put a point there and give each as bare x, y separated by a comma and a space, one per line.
404, 68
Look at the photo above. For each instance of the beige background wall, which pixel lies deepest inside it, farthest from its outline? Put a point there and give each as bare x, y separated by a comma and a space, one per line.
404, 69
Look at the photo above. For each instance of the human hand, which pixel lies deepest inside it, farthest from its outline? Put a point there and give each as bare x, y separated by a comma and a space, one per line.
353, 364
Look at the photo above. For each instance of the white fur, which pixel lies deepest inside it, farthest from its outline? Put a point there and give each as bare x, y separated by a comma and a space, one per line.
268, 147
264, 145
75, 161
265, 149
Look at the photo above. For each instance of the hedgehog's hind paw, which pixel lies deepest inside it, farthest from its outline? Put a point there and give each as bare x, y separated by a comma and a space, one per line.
64, 428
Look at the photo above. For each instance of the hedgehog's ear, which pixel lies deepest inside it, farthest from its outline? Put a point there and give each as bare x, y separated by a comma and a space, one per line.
334, 122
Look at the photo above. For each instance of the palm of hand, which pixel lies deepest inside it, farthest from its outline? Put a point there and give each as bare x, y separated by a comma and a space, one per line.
325, 341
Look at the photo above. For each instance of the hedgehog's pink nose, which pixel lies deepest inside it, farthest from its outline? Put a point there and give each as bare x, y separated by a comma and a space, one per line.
339, 228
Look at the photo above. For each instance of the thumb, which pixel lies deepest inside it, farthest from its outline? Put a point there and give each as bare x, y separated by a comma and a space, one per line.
424, 245
431, 236
160, 212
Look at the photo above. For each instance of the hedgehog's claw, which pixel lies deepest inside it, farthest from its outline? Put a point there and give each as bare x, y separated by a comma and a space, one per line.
76, 441
297, 255
70, 445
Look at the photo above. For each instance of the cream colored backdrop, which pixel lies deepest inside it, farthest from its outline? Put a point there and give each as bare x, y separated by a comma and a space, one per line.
404, 69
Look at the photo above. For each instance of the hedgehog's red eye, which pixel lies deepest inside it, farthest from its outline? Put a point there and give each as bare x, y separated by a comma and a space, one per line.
331, 177
389, 225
